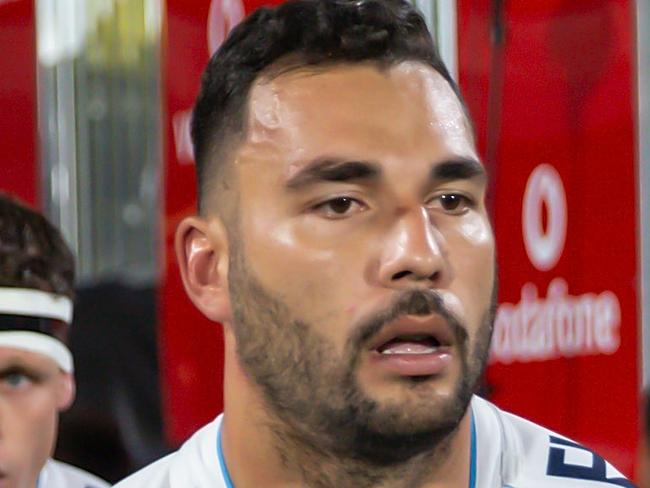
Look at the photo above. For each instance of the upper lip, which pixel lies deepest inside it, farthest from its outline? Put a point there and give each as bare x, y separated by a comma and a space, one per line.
433, 325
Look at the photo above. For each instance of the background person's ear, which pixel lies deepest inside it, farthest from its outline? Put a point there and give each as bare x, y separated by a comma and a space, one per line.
202, 252
66, 391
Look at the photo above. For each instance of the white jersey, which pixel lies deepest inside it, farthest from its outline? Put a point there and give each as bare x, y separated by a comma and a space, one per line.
56, 474
506, 452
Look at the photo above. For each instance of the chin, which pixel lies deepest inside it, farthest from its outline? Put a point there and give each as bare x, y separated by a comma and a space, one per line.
416, 390
419, 406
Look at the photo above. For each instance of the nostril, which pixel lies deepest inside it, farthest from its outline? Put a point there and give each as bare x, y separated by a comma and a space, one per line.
400, 275
404, 274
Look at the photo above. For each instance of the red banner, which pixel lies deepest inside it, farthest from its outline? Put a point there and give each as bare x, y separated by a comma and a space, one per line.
19, 173
191, 346
551, 86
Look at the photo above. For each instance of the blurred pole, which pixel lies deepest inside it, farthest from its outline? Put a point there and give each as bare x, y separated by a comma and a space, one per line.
100, 132
495, 93
448, 35
643, 53
440, 16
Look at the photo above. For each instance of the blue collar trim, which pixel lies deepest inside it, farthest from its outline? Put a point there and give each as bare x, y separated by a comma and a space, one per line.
222, 462
472, 458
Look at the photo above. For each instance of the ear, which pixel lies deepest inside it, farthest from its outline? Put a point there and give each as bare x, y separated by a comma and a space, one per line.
66, 392
202, 253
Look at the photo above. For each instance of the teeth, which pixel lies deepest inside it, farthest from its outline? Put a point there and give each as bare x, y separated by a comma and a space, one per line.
407, 349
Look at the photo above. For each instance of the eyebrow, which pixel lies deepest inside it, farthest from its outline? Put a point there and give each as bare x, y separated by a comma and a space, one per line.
459, 169
337, 170
330, 169
18, 366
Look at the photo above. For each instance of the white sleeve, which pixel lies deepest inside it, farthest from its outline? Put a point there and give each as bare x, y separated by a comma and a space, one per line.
513, 452
56, 474
155, 475
552, 460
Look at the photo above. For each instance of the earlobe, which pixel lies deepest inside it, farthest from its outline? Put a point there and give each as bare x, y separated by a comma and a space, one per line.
202, 253
67, 391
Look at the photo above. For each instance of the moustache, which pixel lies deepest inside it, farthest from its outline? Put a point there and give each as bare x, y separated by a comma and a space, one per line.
414, 302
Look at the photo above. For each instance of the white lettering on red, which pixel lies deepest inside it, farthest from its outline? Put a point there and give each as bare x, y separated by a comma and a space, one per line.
544, 190
560, 325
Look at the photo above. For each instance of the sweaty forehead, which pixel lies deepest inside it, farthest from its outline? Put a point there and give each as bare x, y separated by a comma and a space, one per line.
312, 107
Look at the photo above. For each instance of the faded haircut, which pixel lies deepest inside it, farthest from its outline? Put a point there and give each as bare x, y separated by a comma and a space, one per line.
298, 34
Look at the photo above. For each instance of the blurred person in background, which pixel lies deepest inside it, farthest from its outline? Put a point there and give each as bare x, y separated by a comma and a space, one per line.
36, 367
344, 244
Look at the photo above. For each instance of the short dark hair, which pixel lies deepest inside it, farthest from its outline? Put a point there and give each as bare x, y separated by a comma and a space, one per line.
306, 33
33, 253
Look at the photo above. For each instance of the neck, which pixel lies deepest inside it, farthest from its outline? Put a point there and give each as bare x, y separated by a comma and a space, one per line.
261, 450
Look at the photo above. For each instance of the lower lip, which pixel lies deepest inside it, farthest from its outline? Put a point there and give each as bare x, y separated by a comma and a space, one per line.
414, 364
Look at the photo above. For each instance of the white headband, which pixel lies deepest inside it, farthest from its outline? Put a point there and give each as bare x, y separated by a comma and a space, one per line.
39, 343
35, 303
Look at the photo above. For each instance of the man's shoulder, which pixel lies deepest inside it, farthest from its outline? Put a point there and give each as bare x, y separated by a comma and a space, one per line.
57, 474
195, 464
531, 456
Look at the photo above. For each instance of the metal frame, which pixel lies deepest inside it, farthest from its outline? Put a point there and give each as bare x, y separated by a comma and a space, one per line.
448, 35
441, 19
57, 120
100, 132
643, 53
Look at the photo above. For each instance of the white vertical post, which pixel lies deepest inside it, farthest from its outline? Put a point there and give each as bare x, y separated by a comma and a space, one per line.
643, 135
60, 32
448, 35
441, 19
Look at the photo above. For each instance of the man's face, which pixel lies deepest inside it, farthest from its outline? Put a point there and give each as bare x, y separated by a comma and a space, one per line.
362, 259
32, 391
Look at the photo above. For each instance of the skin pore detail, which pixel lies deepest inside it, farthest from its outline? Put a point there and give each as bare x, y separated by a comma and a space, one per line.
360, 208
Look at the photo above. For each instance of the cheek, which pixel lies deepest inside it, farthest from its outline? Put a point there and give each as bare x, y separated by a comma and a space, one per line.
471, 253
27, 430
471, 247
295, 260
41, 417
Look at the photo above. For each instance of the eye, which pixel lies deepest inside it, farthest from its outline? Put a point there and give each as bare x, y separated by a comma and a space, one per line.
452, 203
16, 380
339, 207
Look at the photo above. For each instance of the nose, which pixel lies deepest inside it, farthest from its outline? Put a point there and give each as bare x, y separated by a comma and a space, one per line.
413, 253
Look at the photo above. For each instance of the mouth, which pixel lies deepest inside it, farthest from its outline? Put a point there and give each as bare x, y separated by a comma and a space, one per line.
414, 346
414, 334
411, 344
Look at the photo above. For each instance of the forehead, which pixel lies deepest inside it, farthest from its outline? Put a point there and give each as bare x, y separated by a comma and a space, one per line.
357, 107
11, 355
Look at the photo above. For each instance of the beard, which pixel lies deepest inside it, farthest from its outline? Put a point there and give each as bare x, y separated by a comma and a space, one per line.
312, 392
